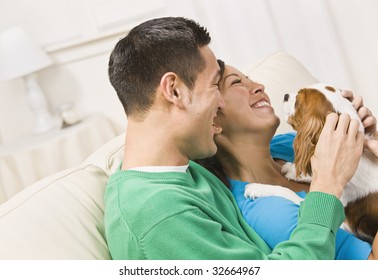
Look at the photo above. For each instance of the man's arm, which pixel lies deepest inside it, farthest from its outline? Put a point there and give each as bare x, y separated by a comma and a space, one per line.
194, 235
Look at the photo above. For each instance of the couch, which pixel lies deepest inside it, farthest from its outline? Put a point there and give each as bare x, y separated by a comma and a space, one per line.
61, 216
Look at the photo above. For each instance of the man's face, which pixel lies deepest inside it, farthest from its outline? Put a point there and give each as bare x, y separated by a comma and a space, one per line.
205, 102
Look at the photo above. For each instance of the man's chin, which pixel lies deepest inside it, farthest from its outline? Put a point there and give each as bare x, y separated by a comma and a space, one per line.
211, 152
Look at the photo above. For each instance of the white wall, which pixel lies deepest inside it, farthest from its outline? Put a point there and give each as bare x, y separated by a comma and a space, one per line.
335, 39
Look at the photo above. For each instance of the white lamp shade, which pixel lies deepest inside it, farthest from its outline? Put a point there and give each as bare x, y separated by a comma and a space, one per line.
19, 55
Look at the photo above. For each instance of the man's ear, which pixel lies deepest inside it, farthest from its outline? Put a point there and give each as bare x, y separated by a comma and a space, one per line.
170, 86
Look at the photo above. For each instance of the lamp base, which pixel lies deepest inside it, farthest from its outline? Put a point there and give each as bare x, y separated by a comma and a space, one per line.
44, 121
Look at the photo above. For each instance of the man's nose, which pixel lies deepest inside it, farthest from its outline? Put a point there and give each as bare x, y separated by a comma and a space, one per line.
221, 102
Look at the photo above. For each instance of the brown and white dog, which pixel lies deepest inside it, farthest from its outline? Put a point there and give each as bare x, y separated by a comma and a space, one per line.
306, 111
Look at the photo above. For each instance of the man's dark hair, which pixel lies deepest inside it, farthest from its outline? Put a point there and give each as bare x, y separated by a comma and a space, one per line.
151, 49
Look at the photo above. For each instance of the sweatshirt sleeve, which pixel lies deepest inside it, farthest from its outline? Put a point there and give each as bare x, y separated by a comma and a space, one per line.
275, 218
203, 237
320, 215
348, 246
313, 238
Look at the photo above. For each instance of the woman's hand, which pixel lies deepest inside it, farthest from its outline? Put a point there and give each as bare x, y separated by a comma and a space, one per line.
366, 116
372, 144
368, 120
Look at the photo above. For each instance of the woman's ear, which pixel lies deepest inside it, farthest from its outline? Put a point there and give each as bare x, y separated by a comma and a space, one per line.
170, 87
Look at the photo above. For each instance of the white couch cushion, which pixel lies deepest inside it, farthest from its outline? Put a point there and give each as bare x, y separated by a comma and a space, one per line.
61, 217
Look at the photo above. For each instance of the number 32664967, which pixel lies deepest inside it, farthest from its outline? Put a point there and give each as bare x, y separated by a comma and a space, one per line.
253, 270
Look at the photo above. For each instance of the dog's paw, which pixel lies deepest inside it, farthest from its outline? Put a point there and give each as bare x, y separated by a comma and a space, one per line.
255, 190
288, 169
290, 173
304, 178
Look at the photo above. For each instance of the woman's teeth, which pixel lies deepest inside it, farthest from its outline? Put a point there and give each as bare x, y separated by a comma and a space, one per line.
260, 104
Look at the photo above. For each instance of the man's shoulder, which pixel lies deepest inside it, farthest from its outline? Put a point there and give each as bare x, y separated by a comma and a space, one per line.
195, 172
169, 192
139, 204
144, 192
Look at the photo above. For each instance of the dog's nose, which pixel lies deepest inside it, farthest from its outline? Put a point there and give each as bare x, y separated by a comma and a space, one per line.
286, 97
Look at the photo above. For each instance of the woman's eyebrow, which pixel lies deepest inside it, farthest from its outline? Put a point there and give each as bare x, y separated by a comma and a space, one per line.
230, 75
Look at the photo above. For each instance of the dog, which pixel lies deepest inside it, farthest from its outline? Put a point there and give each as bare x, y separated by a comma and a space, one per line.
306, 111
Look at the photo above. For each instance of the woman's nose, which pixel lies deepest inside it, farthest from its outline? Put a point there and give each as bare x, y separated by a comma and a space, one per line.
257, 88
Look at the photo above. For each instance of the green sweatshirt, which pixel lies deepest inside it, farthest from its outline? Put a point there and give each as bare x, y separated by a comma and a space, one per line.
192, 215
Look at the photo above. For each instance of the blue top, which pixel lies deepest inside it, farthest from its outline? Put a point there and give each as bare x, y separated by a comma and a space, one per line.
274, 218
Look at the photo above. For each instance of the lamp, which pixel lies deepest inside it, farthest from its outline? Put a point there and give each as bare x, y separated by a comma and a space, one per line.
21, 57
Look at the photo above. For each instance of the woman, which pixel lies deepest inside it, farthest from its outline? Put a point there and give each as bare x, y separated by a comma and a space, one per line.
246, 153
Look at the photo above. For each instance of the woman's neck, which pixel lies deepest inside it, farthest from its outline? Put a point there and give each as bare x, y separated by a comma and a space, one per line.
251, 161
251, 164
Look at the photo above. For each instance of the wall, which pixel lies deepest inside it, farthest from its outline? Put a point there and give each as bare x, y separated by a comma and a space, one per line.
335, 39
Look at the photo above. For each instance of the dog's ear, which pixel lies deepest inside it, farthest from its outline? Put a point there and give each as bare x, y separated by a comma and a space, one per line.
305, 142
312, 107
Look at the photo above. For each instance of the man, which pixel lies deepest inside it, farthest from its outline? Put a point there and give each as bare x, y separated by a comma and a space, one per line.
161, 205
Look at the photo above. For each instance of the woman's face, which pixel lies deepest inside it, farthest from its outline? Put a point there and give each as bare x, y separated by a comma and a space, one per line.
247, 106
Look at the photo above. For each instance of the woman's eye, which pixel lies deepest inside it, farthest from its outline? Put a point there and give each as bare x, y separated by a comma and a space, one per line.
238, 81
